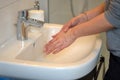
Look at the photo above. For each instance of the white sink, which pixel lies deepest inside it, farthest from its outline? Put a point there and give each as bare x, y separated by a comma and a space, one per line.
27, 60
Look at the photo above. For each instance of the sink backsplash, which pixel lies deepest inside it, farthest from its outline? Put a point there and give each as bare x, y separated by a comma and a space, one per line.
8, 16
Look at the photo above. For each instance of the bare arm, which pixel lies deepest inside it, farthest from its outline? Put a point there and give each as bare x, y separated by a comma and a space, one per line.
96, 25
95, 12
83, 17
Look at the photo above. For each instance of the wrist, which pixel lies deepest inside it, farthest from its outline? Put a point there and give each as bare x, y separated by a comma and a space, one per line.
75, 32
86, 16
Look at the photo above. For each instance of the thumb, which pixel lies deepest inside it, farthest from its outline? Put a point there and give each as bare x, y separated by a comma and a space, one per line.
66, 27
54, 35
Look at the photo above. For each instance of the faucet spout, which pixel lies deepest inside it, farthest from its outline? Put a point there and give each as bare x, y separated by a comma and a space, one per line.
24, 21
21, 27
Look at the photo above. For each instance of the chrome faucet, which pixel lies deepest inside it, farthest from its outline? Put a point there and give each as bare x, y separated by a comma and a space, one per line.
21, 27
23, 22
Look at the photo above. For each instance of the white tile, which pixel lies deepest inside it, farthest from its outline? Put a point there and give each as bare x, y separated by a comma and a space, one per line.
8, 16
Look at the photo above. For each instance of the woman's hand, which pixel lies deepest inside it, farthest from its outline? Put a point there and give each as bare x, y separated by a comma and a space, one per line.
60, 42
65, 37
75, 21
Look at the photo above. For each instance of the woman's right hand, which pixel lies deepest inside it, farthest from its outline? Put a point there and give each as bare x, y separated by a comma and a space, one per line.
74, 21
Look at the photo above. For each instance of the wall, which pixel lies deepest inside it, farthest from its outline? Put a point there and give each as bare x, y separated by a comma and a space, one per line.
8, 16
60, 11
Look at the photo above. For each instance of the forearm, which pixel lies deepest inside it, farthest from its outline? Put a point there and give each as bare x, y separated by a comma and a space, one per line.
95, 12
96, 25
88, 15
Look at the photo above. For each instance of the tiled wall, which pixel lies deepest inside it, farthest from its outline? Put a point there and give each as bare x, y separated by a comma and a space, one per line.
8, 16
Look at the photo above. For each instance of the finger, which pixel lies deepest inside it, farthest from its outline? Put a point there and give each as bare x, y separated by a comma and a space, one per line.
47, 46
52, 41
54, 46
55, 35
58, 49
66, 27
51, 47
49, 43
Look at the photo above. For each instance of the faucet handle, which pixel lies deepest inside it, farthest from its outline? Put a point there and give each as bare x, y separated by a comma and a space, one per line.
37, 5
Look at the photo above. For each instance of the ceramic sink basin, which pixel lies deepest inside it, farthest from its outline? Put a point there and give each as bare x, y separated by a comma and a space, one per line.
26, 59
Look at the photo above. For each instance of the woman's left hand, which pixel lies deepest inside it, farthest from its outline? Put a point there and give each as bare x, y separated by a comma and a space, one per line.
59, 42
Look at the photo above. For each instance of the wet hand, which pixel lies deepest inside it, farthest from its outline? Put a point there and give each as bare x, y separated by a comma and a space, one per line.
74, 21
59, 42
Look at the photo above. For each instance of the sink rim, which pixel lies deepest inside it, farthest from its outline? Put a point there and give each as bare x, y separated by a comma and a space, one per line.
91, 56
